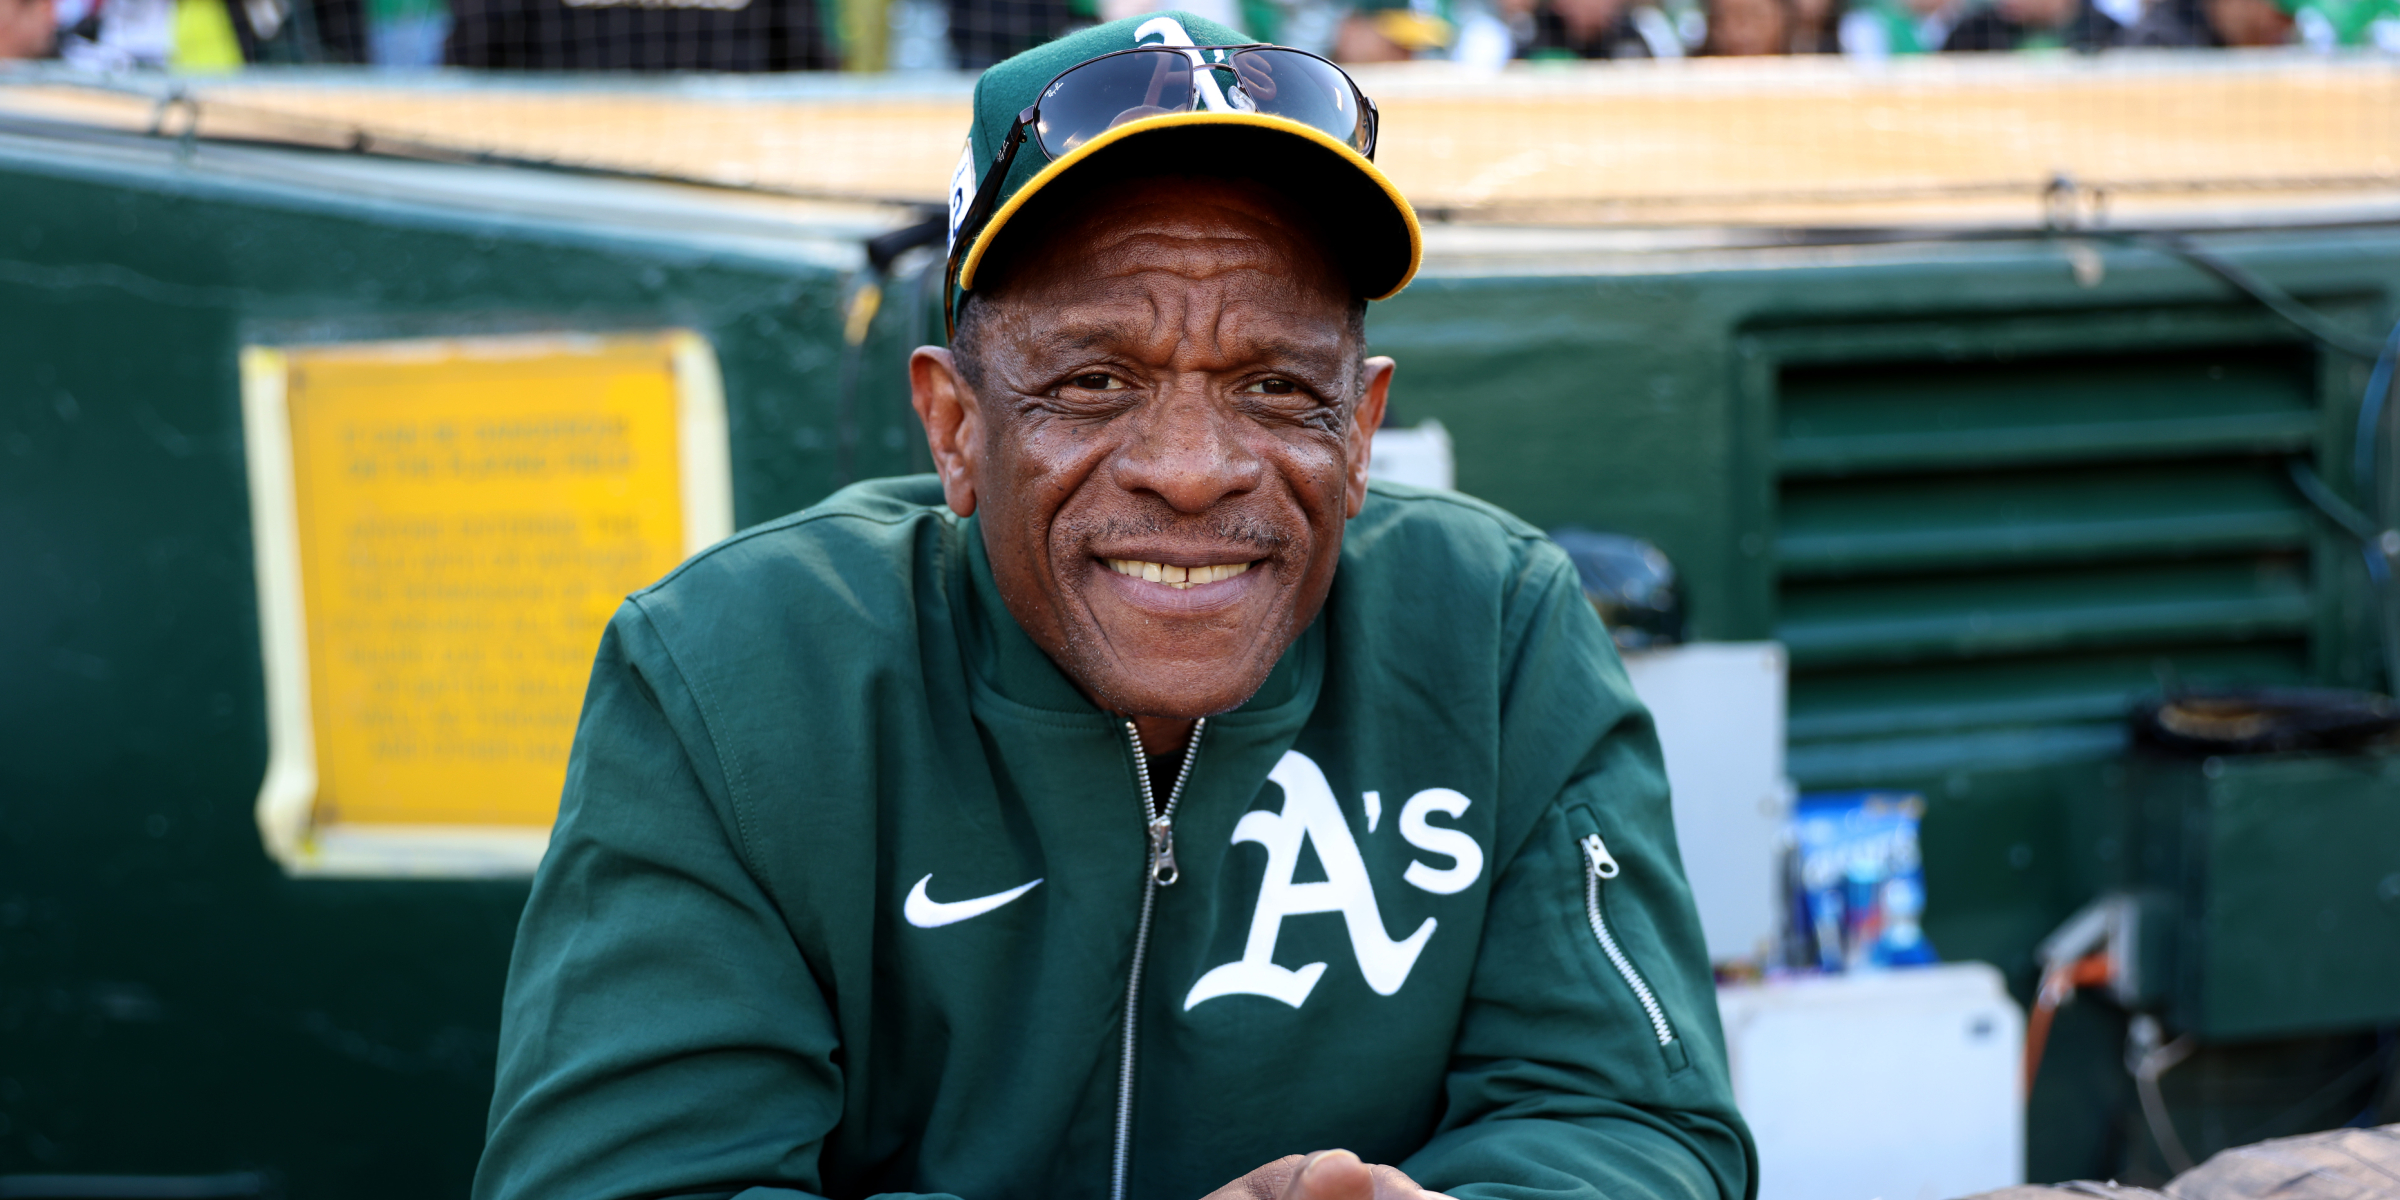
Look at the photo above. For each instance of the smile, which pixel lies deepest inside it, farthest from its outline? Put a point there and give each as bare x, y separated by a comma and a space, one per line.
1173, 576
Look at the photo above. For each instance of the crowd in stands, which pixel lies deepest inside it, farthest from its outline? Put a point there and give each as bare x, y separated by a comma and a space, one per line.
782, 35
1490, 31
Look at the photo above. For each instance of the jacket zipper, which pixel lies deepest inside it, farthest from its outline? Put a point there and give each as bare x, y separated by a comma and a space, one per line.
1159, 821
1599, 865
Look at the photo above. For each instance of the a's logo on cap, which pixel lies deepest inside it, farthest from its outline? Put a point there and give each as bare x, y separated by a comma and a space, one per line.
962, 190
1168, 31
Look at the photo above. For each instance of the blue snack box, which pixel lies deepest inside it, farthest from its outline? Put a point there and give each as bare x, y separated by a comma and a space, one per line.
1856, 883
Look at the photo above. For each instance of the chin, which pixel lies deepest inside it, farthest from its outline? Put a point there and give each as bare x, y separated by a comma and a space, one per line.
1134, 691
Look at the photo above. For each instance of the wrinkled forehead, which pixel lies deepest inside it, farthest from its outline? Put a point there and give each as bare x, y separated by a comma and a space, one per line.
1199, 230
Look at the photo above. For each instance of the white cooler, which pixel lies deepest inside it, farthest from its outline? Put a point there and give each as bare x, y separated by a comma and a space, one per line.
1898, 1085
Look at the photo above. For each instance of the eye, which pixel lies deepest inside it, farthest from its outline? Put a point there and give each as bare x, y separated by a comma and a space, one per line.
1271, 387
1097, 381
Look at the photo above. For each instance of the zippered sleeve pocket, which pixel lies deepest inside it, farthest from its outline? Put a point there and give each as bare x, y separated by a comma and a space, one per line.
1599, 867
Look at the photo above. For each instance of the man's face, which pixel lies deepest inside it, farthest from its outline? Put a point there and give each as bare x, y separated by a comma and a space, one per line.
1171, 429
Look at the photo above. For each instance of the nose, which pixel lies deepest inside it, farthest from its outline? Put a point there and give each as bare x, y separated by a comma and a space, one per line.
1184, 446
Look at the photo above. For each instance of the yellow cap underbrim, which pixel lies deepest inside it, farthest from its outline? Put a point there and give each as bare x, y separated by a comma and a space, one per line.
1317, 137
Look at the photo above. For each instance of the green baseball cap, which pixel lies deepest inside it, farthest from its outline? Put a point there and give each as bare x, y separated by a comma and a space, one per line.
1372, 231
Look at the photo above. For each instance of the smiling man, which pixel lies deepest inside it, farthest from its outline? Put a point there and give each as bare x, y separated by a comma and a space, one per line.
1145, 806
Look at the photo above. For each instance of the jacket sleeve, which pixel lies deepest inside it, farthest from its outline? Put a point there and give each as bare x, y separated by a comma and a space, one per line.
662, 1035
1563, 1083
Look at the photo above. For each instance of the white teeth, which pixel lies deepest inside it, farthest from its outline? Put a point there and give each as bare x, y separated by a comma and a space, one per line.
1179, 578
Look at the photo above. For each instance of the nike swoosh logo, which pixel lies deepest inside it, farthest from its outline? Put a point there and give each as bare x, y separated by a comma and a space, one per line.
925, 912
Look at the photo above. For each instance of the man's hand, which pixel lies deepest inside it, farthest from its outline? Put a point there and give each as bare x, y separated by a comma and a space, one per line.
1324, 1175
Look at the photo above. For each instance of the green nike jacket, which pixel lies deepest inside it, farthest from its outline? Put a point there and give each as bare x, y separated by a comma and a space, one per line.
853, 894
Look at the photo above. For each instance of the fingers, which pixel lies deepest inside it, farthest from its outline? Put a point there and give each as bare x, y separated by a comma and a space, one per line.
1325, 1175
1266, 1183
1392, 1183
1332, 1175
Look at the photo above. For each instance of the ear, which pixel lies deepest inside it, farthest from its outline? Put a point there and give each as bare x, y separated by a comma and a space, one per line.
1365, 419
953, 423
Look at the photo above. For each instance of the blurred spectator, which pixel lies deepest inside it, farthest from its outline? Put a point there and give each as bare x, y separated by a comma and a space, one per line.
2248, 22
2187, 23
1610, 29
407, 33
1747, 27
1517, 17
1812, 27
1881, 28
127, 34
2170, 24
205, 40
28, 28
119, 35
320, 30
1485, 41
2327, 24
1463, 31
637, 35
1390, 31
2033, 25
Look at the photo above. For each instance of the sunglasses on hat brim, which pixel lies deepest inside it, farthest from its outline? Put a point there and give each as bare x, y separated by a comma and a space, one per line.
1125, 86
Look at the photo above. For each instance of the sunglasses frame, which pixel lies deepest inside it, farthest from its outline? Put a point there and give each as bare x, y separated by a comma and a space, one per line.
987, 195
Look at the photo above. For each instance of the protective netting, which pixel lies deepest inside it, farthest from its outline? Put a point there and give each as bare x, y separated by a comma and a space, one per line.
1796, 141
581, 35
1581, 111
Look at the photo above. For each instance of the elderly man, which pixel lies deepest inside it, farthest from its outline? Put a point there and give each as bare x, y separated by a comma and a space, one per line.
1145, 806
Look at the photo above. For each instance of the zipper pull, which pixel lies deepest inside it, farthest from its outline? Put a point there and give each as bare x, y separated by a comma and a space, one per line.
1162, 851
1604, 864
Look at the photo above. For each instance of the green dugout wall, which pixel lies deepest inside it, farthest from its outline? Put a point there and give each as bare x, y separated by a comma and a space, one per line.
1987, 491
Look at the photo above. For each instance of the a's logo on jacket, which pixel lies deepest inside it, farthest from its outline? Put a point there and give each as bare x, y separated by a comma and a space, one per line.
1310, 813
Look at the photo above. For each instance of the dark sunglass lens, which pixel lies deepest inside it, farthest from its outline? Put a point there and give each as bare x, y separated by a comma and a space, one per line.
1309, 90
1107, 92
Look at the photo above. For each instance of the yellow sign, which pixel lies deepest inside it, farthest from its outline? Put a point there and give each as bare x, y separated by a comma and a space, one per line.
456, 520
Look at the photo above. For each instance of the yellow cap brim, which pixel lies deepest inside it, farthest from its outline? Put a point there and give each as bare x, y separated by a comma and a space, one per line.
1058, 168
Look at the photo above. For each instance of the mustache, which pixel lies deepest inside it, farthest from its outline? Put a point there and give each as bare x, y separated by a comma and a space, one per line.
1248, 530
